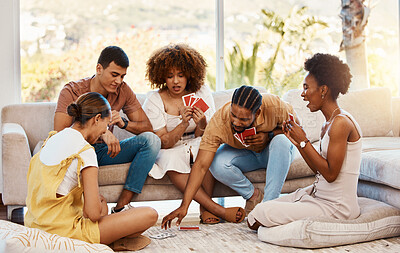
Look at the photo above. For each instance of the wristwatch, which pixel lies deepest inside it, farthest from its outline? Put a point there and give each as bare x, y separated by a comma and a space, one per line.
125, 123
304, 143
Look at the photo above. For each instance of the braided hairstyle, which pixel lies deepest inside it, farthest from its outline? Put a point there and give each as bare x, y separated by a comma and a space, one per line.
87, 106
329, 70
247, 97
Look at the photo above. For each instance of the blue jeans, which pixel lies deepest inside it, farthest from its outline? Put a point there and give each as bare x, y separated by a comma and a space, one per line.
229, 164
141, 151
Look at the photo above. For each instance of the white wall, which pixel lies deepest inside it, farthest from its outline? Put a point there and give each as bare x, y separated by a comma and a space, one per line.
10, 77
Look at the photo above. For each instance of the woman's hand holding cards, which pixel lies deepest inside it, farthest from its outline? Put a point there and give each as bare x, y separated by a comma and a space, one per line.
186, 112
293, 131
199, 118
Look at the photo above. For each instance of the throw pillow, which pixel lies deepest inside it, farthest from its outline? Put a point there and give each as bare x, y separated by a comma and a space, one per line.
377, 220
18, 238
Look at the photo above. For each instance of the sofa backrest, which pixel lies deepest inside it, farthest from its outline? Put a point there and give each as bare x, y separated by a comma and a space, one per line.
372, 108
37, 119
220, 98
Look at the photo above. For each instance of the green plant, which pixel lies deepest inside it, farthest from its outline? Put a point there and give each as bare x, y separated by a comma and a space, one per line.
240, 69
295, 31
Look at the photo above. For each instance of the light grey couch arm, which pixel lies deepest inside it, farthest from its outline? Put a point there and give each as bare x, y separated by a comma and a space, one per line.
16, 157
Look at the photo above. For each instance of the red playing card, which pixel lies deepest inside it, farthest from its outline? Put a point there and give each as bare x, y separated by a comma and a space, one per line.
238, 137
188, 228
248, 132
186, 99
193, 100
201, 105
291, 117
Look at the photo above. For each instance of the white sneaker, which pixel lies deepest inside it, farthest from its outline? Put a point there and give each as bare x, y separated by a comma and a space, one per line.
126, 207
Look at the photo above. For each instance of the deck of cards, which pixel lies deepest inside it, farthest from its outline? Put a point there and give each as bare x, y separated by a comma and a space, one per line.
193, 100
162, 235
248, 132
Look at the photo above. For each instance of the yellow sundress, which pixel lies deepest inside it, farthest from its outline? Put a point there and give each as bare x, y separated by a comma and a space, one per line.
64, 215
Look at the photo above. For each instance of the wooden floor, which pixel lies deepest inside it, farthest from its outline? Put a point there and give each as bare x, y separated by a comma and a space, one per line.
228, 237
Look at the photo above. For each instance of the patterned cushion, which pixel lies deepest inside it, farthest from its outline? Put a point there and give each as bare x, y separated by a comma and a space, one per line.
18, 238
377, 220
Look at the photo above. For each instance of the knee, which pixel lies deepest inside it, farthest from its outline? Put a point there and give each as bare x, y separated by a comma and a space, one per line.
152, 216
150, 140
281, 143
218, 166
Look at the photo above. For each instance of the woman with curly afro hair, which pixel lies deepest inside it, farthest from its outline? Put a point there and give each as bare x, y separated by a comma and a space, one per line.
336, 163
177, 70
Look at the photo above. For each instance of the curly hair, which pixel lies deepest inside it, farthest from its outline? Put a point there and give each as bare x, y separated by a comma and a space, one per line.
329, 70
179, 56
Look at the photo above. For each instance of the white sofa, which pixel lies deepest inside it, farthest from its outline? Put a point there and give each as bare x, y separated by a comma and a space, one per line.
25, 125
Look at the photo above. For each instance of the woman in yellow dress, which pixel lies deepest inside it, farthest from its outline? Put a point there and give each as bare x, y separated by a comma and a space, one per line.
63, 191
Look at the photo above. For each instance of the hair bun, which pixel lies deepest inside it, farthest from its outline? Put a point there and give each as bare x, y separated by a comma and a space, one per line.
73, 110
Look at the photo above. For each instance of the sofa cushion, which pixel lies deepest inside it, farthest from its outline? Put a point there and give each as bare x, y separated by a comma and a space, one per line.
377, 220
18, 238
367, 106
310, 121
381, 161
372, 109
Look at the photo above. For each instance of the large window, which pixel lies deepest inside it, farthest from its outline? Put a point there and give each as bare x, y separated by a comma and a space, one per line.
61, 40
267, 41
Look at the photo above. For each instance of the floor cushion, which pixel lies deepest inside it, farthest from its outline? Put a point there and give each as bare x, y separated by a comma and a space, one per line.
377, 220
18, 238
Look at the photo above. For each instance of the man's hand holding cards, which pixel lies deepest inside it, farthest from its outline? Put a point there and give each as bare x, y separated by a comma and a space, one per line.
193, 100
241, 137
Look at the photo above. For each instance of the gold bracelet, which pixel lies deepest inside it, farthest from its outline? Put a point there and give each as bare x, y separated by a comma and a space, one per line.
202, 129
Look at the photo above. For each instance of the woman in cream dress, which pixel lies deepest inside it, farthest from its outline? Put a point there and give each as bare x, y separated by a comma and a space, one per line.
178, 70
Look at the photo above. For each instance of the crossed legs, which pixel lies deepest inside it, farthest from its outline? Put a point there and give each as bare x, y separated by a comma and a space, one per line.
129, 223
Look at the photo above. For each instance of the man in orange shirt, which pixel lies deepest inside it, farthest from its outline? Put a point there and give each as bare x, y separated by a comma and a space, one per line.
228, 158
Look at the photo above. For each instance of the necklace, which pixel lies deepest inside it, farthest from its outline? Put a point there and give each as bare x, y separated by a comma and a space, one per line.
333, 113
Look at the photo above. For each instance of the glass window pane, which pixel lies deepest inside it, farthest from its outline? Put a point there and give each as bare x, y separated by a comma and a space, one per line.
266, 42
61, 40
383, 45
